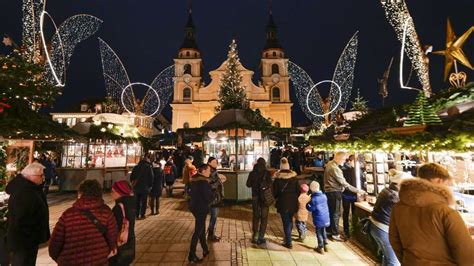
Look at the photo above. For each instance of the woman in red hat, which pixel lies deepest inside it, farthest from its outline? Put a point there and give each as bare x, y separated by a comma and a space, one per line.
124, 212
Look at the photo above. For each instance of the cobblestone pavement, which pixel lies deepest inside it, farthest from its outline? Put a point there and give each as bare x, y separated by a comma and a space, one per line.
164, 239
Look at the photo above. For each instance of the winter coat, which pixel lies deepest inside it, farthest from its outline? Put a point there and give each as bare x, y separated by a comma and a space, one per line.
425, 230
171, 173
142, 177
198, 158
188, 172
334, 179
255, 181
384, 204
28, 215
350, 177
126, 252
201, 194
286, 197
77, 241
158, 179
217, 188
302, 213
318, 206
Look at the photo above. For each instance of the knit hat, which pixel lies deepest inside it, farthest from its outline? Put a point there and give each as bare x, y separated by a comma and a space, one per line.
122, 187
314, 186
284, 165
33, 169
304, 188
397, 176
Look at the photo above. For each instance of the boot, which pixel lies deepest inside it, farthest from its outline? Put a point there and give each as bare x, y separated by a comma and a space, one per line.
254, 238
212, 237
192, 258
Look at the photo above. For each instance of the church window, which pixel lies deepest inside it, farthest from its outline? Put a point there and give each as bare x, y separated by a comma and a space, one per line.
186, 95
275, 69
187, 69
274, 53
187, 53
277, 124
276, 94
186, 125
203, 123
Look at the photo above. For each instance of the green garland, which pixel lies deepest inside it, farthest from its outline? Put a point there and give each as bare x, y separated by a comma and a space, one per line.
388, 141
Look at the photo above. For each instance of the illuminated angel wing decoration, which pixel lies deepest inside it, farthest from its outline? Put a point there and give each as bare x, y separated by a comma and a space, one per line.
31, 16
116, 77
163, 85
71, 32
397, 14
303, 85
344, 75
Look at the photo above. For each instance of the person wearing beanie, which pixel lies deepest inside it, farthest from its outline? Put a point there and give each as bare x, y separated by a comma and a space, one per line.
28, 215
318, 206
424, 228
301, 215
286, 191
124, 210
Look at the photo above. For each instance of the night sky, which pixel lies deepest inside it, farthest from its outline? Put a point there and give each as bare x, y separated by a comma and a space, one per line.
146, 35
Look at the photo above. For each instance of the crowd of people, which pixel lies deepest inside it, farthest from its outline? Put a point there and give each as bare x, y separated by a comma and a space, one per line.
413, 221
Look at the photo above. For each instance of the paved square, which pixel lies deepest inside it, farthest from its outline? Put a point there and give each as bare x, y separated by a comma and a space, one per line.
164, 239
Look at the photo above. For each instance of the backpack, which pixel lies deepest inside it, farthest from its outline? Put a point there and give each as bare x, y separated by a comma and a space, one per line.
123, 234
167, 170
266, 193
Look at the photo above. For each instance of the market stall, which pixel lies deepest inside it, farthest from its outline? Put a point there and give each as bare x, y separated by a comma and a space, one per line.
237, 143
105, 161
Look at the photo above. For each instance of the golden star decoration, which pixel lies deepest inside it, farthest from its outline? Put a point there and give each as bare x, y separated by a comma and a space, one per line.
454, 50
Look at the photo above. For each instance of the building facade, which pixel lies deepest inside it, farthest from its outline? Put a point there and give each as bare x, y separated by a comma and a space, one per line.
195, 103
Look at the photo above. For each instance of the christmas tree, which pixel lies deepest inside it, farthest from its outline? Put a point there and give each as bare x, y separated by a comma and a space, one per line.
360, 104
421, 113
22, 82
232, 93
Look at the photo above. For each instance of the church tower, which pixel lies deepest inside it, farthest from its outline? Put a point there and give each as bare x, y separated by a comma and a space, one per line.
274, 69
188, 73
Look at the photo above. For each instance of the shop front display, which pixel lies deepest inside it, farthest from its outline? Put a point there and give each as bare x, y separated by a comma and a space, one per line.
104, 161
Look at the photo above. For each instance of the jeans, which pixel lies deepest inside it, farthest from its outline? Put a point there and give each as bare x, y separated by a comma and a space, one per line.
199, 233
25, 257
347, 206
212, 221
301, 227
141, 204
259, 218
334, 204
381, 237
169, 190
287, 220
321, 236
154, 204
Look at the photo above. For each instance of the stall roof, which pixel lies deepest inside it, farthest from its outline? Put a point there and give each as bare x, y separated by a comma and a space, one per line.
231, 118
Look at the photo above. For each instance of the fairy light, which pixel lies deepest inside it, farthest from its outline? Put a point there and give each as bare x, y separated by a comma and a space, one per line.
118, 84
397, 13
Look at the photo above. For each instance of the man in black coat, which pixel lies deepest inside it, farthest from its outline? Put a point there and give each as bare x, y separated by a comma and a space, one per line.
28, 215
142, 181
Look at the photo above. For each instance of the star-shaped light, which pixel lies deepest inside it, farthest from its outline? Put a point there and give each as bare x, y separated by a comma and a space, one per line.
7, 41
454, 50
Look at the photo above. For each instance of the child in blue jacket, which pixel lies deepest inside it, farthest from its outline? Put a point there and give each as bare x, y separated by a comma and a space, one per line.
318, 206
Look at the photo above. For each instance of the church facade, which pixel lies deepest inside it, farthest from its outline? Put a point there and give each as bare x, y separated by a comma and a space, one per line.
194, 103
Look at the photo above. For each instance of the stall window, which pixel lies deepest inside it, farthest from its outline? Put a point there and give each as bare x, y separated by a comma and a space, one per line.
276, 94
275, 69
186, 95
187, 69
74, 155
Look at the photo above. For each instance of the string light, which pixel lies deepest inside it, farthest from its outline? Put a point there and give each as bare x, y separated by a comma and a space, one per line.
117, 83
397, 13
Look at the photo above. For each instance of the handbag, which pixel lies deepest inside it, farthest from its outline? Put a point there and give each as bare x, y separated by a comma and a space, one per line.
123, 236
218, 196
266, 193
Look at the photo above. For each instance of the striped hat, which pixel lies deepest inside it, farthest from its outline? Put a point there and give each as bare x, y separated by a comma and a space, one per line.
122, 187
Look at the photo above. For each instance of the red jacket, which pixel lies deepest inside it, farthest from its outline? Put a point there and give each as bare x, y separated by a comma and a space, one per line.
77, 241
